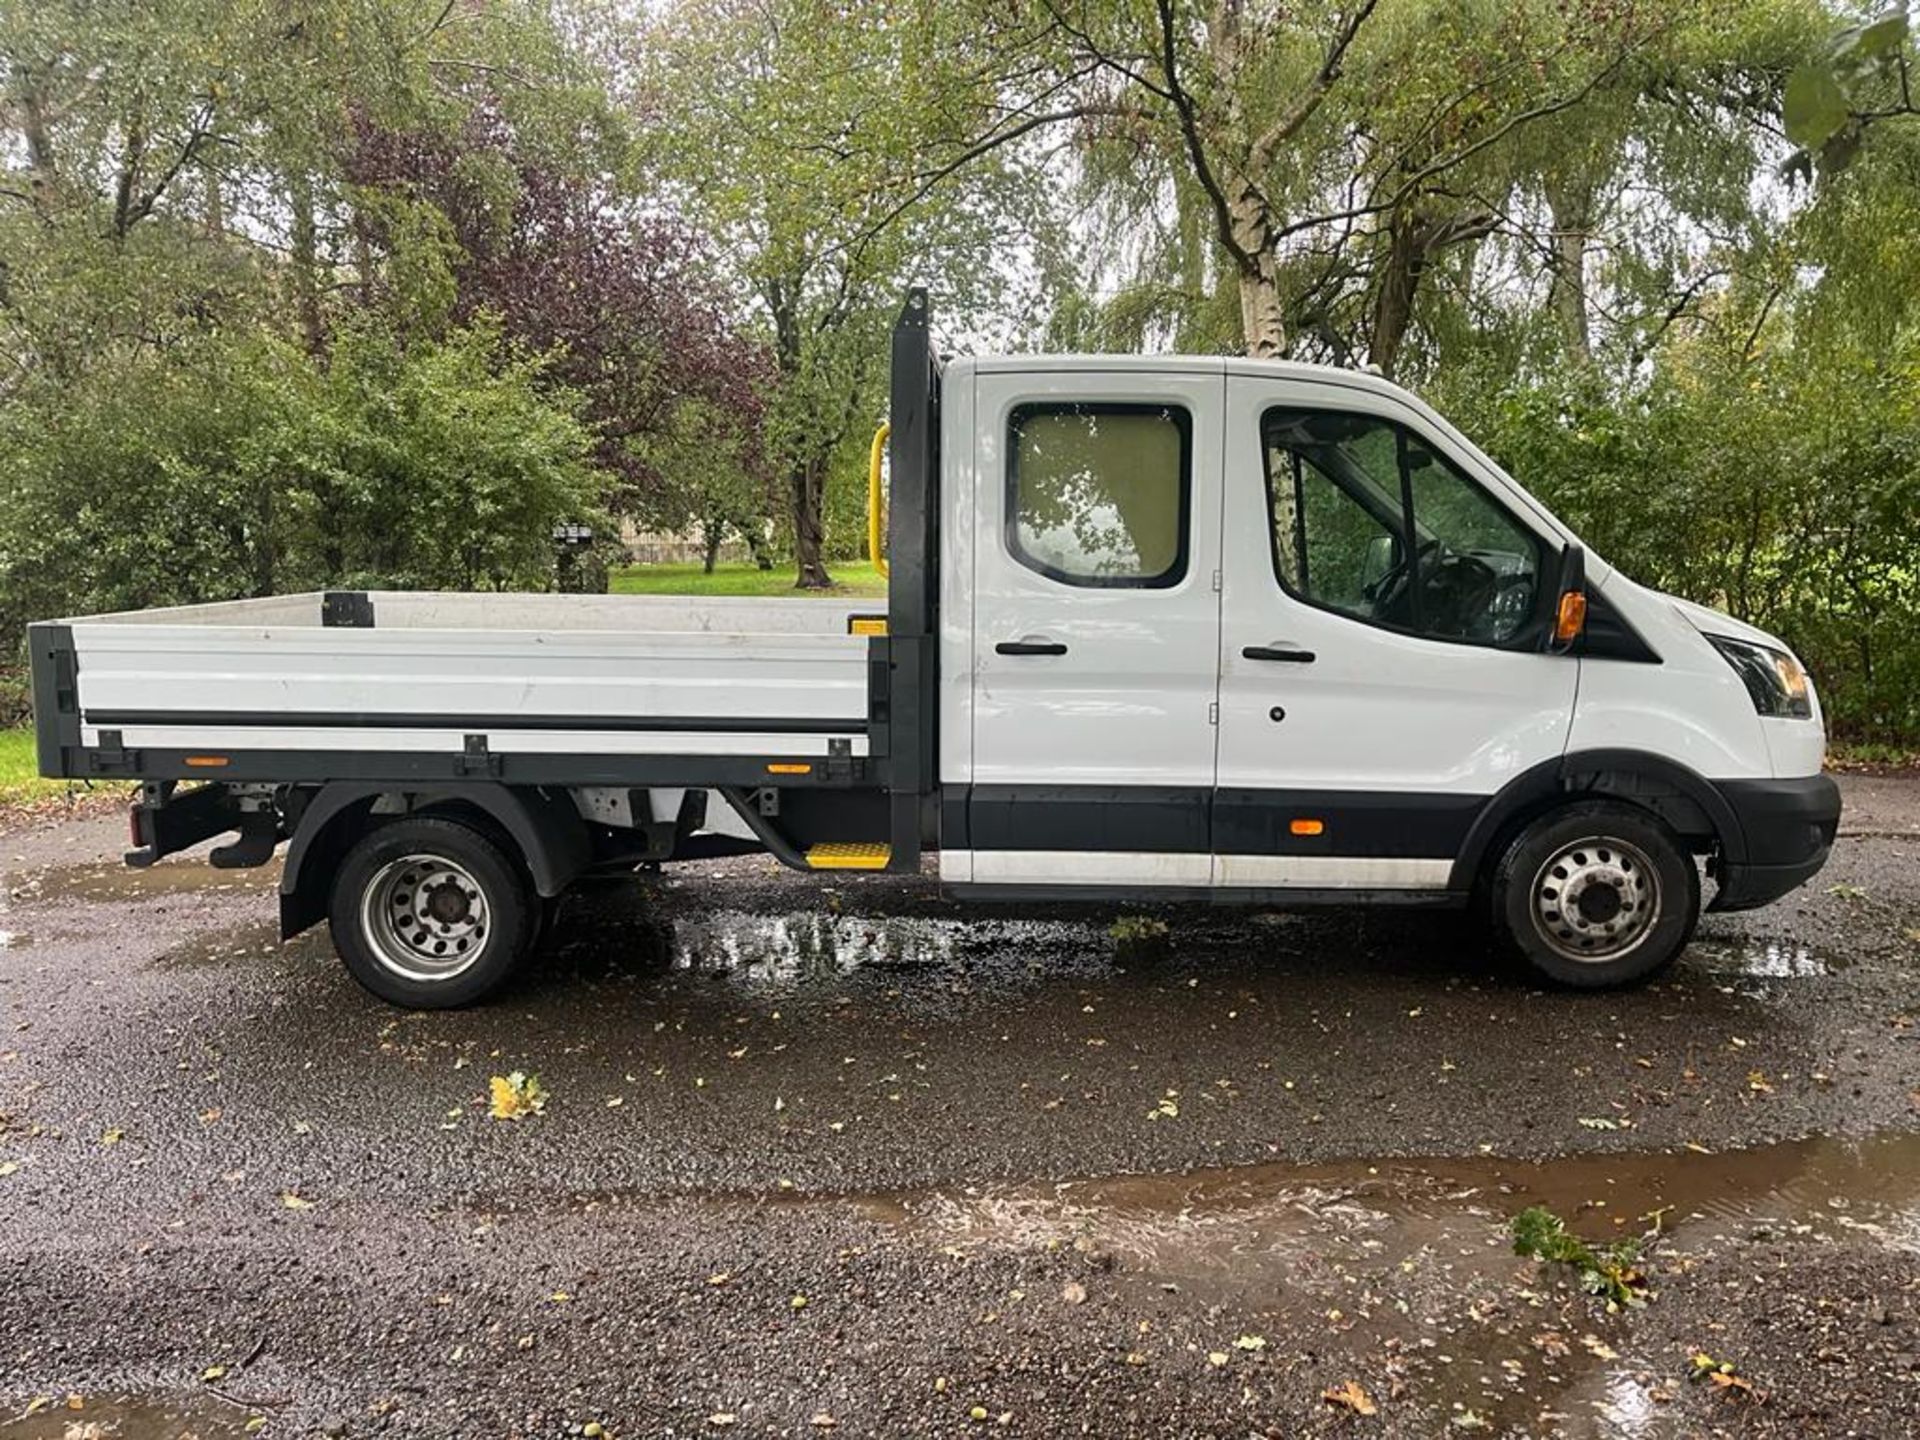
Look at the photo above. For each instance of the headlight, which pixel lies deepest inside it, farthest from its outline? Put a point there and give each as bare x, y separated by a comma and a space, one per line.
1773, 678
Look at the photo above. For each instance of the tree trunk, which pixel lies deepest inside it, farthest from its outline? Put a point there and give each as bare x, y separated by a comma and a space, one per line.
711, 534
306, 263
127, 186
809, 527
33, 123
1399, 281
1263, 321
1571, 206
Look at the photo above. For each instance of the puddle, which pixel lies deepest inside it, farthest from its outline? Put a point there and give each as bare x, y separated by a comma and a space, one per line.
1412, 1260
818, 947
1766, 960
1220, 1222
187, 1417
112, 880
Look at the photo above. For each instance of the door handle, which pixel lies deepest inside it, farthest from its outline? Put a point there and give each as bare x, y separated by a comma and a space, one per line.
1030, 645
1279, 651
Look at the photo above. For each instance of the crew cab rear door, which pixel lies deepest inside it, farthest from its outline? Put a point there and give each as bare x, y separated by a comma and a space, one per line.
1381, 671
1096, 624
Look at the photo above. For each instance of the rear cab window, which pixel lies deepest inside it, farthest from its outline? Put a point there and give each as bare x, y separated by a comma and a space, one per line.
1100, 494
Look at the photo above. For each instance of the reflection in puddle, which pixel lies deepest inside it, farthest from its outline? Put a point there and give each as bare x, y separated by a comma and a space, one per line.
786, 948
1766, 960
131, 1418
812, 947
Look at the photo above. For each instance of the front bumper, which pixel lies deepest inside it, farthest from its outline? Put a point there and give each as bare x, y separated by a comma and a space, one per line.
1787, 828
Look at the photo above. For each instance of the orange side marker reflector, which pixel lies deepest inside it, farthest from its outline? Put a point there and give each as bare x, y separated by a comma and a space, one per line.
1572, 618
866, 624
206, 762
1308, 827
784, 769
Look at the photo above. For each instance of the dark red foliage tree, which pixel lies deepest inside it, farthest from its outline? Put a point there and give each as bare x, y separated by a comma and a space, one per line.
625, 301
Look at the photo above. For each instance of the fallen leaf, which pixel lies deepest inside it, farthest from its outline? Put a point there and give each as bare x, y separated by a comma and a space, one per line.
113, 1136
512, 1097
295, 1201
1217, 1358
1598, 1348
799, 1302
823, 1421
213, 1373
8, 1167
721, 1419
1073, 1292
1250, 1342
1352, 1396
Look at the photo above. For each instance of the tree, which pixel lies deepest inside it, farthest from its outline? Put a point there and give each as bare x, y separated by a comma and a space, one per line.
623, 301
800, 132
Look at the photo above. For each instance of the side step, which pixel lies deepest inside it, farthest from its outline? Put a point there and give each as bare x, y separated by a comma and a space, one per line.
853, 855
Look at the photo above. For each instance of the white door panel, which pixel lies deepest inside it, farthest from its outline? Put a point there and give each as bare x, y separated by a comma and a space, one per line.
1122, 692
1375, 710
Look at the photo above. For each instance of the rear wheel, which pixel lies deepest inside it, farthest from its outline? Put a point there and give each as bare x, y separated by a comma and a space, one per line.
1596, 894
430, 913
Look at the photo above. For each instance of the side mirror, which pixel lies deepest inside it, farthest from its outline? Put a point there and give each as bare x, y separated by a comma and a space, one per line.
1566, 602
1383, 555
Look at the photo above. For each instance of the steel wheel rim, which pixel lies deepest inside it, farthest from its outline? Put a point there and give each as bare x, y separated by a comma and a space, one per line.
1596, 899
425, 918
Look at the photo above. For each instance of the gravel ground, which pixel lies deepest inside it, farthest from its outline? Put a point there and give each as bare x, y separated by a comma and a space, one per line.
848, 1159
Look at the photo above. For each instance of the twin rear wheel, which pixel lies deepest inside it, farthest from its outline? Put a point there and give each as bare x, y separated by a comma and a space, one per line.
1595, 894
430, 913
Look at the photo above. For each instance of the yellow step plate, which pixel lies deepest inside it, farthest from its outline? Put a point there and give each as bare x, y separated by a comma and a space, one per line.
857, 856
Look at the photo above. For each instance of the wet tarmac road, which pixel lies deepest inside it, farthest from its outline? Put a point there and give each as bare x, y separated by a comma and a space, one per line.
850, 1159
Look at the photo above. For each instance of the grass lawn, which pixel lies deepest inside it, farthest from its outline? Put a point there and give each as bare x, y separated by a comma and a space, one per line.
851, 578
20, 781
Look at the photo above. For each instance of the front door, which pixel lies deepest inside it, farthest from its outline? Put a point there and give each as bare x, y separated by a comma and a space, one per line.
1381, 675
1096, 626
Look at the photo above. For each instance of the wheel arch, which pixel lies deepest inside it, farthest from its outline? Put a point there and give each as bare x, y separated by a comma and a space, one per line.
1680, 797
541, 828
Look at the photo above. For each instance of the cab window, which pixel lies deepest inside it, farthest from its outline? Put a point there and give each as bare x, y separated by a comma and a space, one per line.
1370, 522
1098, 494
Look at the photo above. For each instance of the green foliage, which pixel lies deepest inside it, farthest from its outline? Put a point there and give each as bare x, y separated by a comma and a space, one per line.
1608, 1271
238, 465
1859, 77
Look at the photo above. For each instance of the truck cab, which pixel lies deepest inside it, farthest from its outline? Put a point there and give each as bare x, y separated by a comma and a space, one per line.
1157, 628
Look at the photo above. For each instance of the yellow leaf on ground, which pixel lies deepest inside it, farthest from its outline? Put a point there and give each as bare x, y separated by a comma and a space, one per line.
512, 1097
295, 1202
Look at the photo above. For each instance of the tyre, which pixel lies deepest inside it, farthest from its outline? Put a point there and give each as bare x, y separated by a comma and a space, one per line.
1595, 894
429, 913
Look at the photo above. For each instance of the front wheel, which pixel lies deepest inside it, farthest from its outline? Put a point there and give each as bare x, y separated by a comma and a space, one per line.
1596, 894
430, 914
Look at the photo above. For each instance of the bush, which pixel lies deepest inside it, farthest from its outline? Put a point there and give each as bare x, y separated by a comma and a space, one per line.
243, 467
